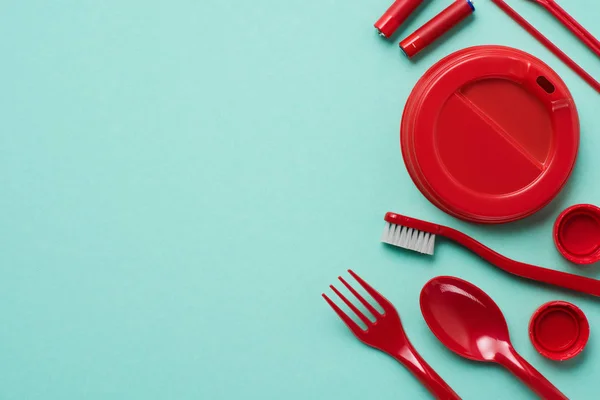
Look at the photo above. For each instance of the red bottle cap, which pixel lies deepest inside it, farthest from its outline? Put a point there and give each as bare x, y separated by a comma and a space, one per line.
577, 234
490, 134
559, 330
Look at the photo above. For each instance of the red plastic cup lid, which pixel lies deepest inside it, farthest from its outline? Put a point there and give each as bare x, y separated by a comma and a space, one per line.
577, 234
559, 330
490, 134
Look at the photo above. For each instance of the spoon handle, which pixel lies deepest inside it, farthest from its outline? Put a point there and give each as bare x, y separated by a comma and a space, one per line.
516, 364
409, 357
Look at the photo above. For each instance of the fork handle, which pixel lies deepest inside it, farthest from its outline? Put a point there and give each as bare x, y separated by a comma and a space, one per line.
408, 357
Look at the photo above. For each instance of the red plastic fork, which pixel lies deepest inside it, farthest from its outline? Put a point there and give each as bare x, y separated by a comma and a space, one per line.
386, 334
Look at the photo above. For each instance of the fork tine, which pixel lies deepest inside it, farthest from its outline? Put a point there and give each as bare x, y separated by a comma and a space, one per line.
356, 311
364, 302
353, 326
383, 302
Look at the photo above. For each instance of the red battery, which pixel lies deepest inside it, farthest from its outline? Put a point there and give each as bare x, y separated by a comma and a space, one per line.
437, 26
395, 16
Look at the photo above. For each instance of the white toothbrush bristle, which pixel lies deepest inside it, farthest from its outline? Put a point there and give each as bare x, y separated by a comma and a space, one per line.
408, 238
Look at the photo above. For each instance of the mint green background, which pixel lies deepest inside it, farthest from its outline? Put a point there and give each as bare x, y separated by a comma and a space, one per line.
180, 180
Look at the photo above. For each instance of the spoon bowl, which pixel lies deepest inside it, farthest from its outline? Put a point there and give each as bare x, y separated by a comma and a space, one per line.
473, 334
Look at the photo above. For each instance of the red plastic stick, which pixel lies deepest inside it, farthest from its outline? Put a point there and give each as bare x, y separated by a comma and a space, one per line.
395, 16
437, 26
571, 23
548, 44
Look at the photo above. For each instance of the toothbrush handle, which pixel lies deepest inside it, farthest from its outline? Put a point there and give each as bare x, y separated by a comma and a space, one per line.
527, 271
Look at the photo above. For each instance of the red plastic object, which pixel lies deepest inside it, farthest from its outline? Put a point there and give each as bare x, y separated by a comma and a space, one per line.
437, 26
571, 23
559, 330
548, 44
395, 16
386, 334
564, 280
490, 134
577, 234
468, 322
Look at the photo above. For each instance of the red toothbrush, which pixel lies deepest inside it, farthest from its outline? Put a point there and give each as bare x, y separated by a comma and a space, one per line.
386, 334
571, 24
418, 235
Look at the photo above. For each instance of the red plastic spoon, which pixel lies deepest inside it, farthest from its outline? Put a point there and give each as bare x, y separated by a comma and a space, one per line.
467, 321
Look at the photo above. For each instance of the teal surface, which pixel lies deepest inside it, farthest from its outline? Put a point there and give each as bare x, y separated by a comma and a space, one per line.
181, 180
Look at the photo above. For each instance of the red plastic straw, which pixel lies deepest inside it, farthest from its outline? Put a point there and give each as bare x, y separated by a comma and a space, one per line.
549, 45
571, 23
